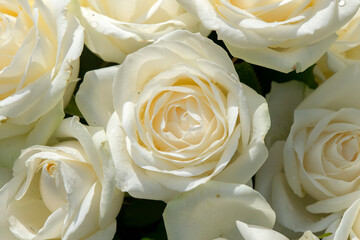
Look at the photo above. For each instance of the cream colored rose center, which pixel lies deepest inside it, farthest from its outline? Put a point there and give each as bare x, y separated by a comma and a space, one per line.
346, 146
332, 158
51, 186
183, 121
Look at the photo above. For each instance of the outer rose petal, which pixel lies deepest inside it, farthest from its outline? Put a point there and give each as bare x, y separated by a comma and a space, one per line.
272, 166
291, 210
298, 59
349, 87
258, 233
347, 227
5, 176
211, 210
344, 52
309, 236
287, 95
94, 97
17, 136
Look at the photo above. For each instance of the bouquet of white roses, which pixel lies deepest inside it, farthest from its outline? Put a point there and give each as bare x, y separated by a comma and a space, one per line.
179, 120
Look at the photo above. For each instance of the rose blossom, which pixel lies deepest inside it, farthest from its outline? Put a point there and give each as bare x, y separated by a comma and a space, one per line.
282, 35
181, 117
40, 47
314, 176
115, 28
344, 52
66, 191
347, 227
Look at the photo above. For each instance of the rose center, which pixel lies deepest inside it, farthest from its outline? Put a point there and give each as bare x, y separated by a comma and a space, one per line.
187, 121
51, 168
350, 149
51, 186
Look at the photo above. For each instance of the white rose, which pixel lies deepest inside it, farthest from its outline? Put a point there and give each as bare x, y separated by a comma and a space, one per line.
213, 211
115, 28
344, 52
66, 191
40, 47
321, 163
282, 35
348, 226
181, 117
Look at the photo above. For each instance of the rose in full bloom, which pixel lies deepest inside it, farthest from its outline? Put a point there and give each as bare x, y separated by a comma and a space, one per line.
40, 46
282, 35
115, 28
218, 210
314, 175
66, 191
344, 52
178, 117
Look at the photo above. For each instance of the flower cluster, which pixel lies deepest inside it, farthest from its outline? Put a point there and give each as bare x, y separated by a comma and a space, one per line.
179, 119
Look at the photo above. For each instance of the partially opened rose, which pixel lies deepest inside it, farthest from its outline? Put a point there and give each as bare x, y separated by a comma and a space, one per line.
344, 52
282, 35
66, 191
181, 117
39, 50
321, 159
115, 28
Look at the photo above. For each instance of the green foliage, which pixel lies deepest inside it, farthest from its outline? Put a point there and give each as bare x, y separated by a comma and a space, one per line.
248, 76
324, 235
72, 109
141, 219
89, 61
266, 76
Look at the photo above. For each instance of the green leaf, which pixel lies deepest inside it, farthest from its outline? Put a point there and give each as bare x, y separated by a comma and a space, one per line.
248, 76
141, 212
306, 77
140, 218
266, 76
89, 61
325, 235
158, 234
